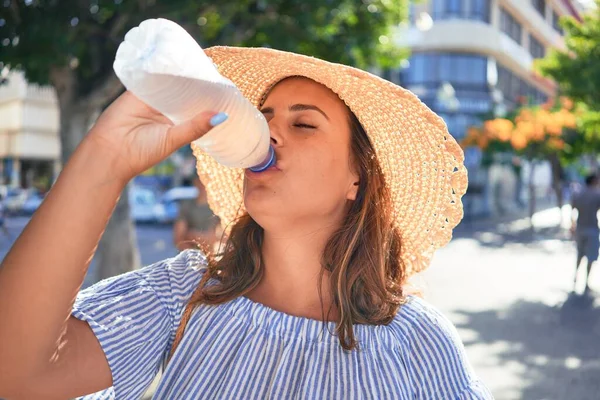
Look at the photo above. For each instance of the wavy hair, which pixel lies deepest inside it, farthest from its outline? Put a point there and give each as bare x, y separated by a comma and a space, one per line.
366, 274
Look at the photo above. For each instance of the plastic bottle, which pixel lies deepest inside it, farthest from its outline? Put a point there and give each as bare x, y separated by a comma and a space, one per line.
161, 64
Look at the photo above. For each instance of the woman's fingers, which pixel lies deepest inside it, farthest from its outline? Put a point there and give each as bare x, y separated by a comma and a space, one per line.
186, 132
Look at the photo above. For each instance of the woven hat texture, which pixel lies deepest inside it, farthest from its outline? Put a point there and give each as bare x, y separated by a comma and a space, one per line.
421, 161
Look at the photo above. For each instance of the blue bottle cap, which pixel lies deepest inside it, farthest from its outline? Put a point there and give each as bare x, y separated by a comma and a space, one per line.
269, 162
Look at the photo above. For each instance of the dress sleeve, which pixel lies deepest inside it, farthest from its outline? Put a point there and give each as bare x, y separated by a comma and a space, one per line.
476, 390
437, 361
134, 317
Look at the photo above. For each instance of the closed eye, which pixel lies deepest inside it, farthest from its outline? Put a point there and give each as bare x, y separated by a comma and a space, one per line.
304, 126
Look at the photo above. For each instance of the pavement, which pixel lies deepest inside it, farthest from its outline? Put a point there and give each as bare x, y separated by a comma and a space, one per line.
508, 290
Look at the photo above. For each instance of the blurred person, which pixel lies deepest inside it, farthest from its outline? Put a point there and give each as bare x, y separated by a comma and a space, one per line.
195, 222
585, 228
309, 297
3, 216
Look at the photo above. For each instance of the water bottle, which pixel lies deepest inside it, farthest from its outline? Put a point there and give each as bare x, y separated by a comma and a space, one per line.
162, 65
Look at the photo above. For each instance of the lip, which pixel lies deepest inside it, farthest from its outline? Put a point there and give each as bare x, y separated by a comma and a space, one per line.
261, 175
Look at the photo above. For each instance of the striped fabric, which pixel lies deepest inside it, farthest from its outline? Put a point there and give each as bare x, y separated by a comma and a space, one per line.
245, 350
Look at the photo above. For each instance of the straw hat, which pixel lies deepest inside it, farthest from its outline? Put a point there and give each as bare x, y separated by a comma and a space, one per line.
421, 161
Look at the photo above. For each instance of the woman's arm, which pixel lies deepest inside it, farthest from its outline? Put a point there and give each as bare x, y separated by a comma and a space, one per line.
44, 270
42, 348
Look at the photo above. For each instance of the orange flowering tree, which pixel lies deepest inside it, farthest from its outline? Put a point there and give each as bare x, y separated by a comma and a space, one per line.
533, 133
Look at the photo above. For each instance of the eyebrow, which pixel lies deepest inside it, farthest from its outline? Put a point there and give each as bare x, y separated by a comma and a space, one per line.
297, 107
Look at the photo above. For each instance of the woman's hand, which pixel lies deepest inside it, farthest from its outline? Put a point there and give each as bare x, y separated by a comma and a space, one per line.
137, 137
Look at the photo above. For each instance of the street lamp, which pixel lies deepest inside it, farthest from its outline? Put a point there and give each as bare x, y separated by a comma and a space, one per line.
424, 22
500, 109
446, 95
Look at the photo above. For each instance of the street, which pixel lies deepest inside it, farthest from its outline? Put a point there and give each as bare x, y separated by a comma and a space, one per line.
509, 296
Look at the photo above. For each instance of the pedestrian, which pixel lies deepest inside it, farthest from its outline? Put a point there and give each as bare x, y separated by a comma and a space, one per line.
195, 224
3, 217
585, 228
308, 299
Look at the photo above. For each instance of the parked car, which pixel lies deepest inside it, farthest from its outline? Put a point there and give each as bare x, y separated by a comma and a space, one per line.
170, 202
32, 203
144, 205
14, 200
180, 193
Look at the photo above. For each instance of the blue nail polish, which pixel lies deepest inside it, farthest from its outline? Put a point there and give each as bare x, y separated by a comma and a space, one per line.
218, 119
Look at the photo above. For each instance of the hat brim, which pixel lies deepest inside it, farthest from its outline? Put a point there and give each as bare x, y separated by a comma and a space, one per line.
422, 163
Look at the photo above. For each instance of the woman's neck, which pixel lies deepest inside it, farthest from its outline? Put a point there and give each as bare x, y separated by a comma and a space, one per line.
290, 283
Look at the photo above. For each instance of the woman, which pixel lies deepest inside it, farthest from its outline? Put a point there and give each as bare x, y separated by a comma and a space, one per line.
307, 300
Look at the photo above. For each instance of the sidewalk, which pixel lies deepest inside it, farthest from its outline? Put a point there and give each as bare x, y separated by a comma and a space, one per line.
546, 215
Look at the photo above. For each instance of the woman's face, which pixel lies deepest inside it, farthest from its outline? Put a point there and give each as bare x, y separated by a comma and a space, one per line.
314, 178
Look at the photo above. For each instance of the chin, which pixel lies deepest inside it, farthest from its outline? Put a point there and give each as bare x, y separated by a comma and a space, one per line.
263, 205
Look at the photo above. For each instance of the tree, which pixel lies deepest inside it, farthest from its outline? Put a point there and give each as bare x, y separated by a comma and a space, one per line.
534, 133
70, 44
577, 73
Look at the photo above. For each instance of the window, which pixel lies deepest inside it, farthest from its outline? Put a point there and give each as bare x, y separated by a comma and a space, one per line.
536, 49
454, 8
540, 6
480, 10
513, 87
438, 9
467, 73
412, 14
536, 96
556, 22
456, 68
461, 9
510, 86
510, 26
420, 70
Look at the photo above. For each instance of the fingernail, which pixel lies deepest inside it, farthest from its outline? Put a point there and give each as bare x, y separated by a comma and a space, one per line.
218, 119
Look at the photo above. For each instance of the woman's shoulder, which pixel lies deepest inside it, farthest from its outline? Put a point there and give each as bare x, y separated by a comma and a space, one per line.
432, 350
179, 275
418, 320
417, 311
188, 264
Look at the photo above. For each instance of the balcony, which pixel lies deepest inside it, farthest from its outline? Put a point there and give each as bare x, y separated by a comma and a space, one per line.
467, 36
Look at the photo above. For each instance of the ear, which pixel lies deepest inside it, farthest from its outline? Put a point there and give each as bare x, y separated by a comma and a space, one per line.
353, 191
352, 188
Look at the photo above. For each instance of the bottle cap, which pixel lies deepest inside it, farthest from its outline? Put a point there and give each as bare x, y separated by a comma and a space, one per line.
267, 163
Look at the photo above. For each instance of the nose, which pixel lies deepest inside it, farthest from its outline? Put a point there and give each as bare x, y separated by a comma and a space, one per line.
276, 133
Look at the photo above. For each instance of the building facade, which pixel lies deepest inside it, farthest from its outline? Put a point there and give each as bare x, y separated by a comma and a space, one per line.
29, 138
472, 59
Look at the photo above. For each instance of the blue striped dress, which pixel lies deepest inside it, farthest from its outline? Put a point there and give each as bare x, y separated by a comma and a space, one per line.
245, 350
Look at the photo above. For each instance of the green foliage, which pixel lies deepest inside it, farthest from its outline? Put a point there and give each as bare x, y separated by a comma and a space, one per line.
577, 72
37, 35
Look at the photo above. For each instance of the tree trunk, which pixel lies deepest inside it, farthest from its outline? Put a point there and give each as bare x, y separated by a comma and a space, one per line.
594, 163
531, 192
557, 183
117, 251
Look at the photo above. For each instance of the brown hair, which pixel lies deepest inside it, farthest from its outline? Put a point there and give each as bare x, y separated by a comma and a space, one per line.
362, 257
